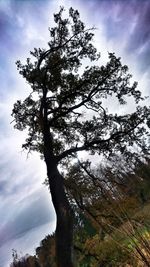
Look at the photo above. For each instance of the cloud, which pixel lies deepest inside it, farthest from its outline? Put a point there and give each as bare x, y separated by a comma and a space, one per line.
25, 243
30, 212
5, 6
141, 33
123, 28
24, 202
139, 39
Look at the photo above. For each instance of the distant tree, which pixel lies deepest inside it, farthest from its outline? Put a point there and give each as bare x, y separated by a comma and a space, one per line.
25, 261
46, 252
105, 198
65, 112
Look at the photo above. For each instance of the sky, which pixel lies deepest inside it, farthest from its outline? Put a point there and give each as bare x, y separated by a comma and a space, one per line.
26, 211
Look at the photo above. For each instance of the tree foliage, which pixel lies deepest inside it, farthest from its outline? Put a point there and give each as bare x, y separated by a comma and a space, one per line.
25, 261
46, 252
71, 90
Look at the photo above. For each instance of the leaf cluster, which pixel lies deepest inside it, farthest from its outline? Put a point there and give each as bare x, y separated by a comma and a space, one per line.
69, 93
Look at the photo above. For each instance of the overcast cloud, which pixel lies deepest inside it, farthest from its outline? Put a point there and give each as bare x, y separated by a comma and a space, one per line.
26, 212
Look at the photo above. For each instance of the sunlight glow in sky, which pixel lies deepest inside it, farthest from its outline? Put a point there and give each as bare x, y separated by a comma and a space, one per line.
26, 212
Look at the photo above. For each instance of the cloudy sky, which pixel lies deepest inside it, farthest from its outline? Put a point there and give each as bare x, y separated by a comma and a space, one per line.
26, 212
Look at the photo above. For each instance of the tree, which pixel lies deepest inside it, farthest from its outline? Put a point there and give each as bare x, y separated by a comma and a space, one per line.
110, 200
25, 261
65, 112
46, 251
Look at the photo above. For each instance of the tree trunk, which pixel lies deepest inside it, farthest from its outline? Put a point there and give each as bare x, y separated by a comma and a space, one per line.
64, 214
64, 226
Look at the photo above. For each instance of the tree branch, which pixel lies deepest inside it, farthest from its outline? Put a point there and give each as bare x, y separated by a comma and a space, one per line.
92, 93
53, 49
91, 145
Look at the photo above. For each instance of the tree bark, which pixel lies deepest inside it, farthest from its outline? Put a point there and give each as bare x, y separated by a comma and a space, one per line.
64, 214
64, 226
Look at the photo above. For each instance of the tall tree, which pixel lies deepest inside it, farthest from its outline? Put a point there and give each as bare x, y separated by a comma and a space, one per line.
65, 112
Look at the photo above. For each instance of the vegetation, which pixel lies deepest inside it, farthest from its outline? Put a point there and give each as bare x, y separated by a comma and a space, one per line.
118, 236
66, 113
